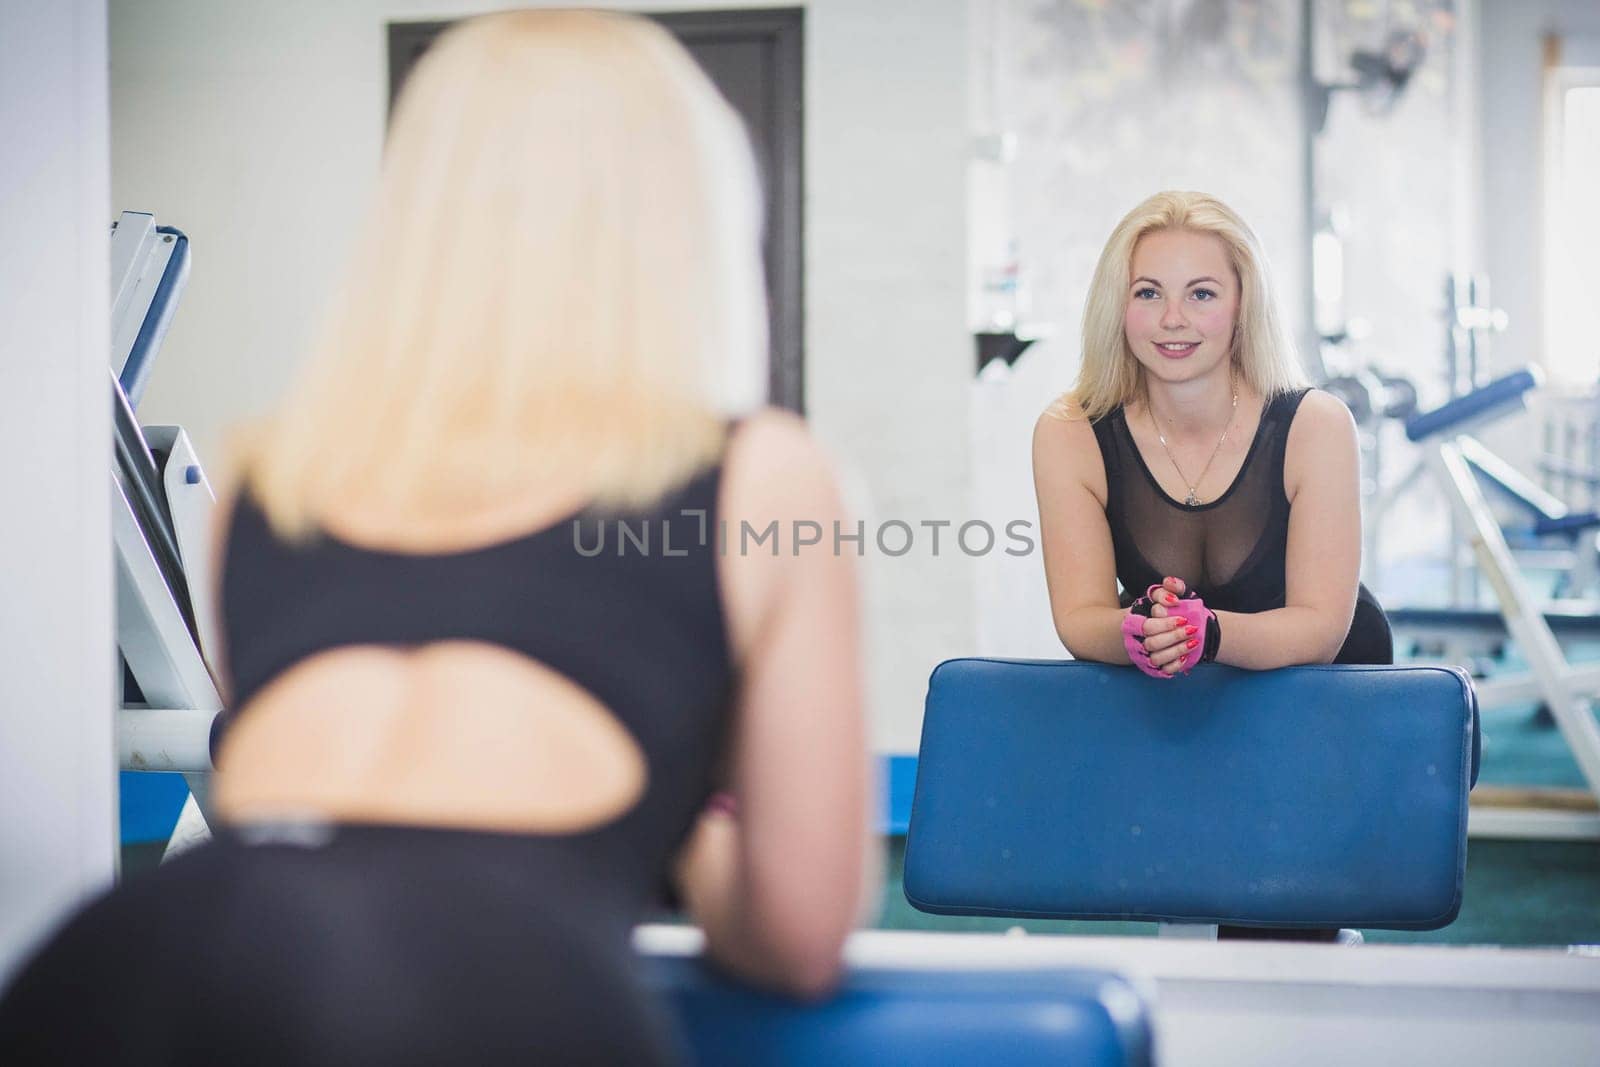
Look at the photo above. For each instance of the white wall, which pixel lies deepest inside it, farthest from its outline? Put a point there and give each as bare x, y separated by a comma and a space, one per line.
256, 127
1113, 102
1101, 121
889, 360
1013, 615
58, 790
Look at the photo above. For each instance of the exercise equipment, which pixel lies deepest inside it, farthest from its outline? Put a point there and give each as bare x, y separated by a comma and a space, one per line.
1544, 529
933, 1016
1569, 460
1371, 396
149, 270
1457, 460
161, 505
1307, 796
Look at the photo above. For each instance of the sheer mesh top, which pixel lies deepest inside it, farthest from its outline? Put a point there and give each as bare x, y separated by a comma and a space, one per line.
1231, 550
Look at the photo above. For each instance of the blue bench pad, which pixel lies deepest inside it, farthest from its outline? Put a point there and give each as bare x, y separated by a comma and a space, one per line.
1310, 796
1502, 392
955, 1017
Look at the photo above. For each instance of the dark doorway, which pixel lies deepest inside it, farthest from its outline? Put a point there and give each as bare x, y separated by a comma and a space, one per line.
754, 58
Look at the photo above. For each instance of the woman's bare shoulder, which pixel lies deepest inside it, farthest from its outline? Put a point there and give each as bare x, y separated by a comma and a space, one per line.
773, 461
777, 478
1323, 405
1322, 437
1063, 421
1064, 445
1321, 418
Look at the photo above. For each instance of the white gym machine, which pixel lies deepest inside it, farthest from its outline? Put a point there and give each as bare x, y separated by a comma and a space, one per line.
161, 506
1456, 458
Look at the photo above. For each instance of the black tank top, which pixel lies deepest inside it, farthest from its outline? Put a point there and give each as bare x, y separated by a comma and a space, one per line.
638, 624
1233, 550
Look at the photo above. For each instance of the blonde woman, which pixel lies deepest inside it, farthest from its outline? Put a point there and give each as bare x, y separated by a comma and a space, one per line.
465, 748
1191, 465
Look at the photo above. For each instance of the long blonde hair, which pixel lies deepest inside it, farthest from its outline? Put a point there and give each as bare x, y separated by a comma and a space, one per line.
1109, 375
560, 279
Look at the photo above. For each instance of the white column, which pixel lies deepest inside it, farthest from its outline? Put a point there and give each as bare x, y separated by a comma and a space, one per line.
889, 355
58, 779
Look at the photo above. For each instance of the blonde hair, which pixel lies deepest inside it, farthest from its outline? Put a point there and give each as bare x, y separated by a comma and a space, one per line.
560, 279
1110, 376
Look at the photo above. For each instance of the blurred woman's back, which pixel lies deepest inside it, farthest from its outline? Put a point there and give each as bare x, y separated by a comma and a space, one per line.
496, 739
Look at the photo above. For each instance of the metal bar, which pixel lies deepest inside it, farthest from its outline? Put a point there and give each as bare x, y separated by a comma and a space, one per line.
190, 501
140, 480
1523, 688
1523, 618
1312, 102
192, 829
164, 739
152, 633
1513, 481
139, 257
129, 235
1533, 824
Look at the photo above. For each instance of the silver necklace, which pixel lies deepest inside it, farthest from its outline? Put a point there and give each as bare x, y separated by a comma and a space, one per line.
1192, 499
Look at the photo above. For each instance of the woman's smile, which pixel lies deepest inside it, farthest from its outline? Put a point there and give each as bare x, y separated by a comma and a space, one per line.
1182, 304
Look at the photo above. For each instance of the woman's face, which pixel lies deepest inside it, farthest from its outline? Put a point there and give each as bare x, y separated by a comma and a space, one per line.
1183, 301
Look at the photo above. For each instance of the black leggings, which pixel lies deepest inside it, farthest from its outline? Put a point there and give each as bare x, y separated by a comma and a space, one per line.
379, 945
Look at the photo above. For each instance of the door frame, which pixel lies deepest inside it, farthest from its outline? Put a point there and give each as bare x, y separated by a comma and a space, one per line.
782, 30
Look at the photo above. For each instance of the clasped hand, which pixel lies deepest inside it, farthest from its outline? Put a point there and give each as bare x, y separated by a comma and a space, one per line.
1168, 640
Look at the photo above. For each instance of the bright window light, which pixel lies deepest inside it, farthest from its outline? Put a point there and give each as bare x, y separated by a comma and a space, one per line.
1572, 230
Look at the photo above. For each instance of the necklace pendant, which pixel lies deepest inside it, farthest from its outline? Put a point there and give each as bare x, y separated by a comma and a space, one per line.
1191, 500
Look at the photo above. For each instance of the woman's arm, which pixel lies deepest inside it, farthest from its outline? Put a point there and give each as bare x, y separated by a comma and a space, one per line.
1322, 477
1079, 563
778, 886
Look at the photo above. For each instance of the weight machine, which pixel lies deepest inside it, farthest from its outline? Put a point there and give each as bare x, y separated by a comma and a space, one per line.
161, 508
1458, 461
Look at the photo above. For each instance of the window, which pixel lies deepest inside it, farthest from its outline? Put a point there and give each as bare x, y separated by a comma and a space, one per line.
1572, 225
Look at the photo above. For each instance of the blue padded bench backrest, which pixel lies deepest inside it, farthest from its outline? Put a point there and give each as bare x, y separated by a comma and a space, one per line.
956, 1017
1503, 392
1309, 796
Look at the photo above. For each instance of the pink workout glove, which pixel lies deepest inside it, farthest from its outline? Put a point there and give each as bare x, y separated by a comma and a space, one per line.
1191, 610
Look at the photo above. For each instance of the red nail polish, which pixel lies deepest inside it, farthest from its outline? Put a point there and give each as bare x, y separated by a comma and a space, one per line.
1191, 643
1190, 630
